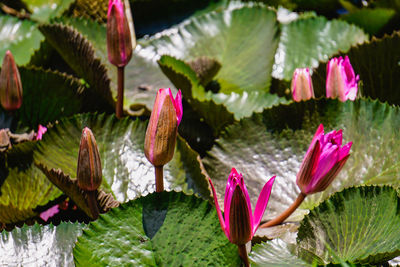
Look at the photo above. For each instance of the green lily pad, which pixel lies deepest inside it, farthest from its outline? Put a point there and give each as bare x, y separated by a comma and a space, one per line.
370, 20
44, 10
275, 253
377, 63
48, 96
161, 229
39, 245
24, 186
21, 37
126, 171
358, 225
305, 42
275, 142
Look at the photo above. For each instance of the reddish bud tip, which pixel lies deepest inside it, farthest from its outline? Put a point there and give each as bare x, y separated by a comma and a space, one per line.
119, 40
10, 84
89, 165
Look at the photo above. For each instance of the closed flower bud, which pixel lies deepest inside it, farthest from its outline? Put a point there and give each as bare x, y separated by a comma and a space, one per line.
89, 165
302, 87
341, 82
161, 132
10, 84
119, 39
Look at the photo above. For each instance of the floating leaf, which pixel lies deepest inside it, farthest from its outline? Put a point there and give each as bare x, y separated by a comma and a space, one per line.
304, 42
24, 188
79, 54
39, 245
275, 253
44, 10
126, 171
162, 229
275, 142
21, 37
359, 224
371, 20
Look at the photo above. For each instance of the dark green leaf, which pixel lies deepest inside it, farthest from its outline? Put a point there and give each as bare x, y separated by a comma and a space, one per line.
359, 224
167, 229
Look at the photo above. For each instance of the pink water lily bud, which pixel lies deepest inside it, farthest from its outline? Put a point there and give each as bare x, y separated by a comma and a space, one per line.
341, 81
10, 84
239, 223
89, 173
302, 87
162, 130
323, 161
119, 42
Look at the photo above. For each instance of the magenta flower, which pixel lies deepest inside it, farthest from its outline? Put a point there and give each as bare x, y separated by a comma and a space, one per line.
46, 215
323, 161
41, 131
341, 81
119, 42
163, 126
302, 87
239, 224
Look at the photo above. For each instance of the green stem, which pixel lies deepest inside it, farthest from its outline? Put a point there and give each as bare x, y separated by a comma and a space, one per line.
119, 109
243, 255
286, 213
159, 178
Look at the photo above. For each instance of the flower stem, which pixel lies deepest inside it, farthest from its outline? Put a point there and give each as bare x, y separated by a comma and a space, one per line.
119, 109
243, 255
159, 178
92, 203
286, 213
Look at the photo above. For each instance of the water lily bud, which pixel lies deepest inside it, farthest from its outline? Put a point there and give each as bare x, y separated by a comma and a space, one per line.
162, 130
239, 224
119, 42
89, 165
302, 87
341, 81
10, 84
323, 161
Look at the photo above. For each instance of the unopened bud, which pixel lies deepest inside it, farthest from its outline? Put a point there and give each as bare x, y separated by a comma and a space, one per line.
119, 42
89, 165
10, 84
162, 130
239, 218
302, 87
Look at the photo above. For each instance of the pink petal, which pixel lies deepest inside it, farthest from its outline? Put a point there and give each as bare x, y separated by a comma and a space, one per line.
41, 131
344, 151
243, 187
178, 106
49, 213
262, 203
221, 219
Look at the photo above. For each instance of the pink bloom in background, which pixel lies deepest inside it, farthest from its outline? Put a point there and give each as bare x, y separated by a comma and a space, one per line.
49, 213
302, 87
323, 161
341, 81
119, 41
239, 224
41, 131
